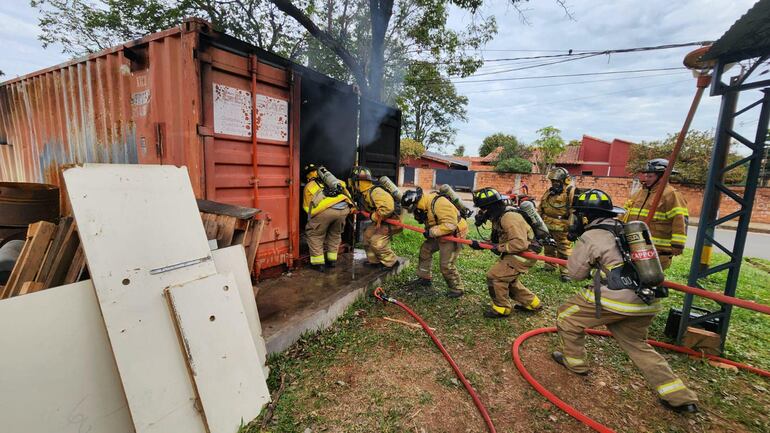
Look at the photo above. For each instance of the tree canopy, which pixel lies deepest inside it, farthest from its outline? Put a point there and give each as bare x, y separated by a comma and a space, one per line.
459, 151
549, 145
694, 158
429, 110
410, 149
496, 140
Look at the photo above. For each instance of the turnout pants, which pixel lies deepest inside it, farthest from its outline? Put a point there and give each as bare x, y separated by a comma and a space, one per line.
448, 252
504, 285
630, 332
562, 250
377, 243
324, 234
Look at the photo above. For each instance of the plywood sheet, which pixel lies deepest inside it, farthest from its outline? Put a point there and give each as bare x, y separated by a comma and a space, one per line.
141, 232
61, 376
220, 351
232, 260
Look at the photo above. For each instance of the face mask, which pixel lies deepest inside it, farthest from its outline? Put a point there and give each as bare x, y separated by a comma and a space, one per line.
557, 188
421, 216
576, 226
482, 216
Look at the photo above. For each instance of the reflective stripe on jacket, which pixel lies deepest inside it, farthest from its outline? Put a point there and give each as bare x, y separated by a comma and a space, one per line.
555, 209
314, 201
668, 227
595, 248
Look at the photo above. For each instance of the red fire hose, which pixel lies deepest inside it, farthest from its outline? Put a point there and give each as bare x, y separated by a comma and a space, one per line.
749, 305
576, 413
380, 294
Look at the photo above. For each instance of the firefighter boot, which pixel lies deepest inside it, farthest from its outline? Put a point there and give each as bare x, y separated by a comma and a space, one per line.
559, 358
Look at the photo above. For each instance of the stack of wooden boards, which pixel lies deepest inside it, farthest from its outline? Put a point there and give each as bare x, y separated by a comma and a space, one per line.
51, 256
232, 225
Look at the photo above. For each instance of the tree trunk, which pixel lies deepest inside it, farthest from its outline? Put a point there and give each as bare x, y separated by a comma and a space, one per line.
380, 12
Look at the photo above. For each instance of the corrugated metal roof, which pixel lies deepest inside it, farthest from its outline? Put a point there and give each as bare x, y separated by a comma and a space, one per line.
445, 159
748, 37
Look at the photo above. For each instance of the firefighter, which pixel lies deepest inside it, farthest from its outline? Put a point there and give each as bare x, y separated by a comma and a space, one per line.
668, 227
381, 205
511, 235
621, 311
440, 218
555, 207
327, 209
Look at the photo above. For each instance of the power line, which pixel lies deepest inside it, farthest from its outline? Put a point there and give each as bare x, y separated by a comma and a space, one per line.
570, 83
585, 74
571, 59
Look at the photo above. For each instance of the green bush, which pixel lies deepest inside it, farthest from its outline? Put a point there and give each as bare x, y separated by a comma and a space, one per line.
514, 165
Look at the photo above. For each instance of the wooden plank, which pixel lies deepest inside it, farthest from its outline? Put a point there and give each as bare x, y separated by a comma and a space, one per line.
255, 237
30, 287
232, 260
61, 376
31, 257
64, 259
141, 233
61, 233
76, 267
220, 350
226, 230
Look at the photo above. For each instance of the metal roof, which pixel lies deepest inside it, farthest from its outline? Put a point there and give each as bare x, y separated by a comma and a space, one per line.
446, 159
748, 37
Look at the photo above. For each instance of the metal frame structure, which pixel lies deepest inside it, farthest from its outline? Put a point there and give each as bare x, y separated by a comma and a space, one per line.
716, 189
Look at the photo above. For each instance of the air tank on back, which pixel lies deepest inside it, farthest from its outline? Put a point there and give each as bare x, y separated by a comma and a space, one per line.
541, 230
391, 187
329, 180
450, 194
643, 253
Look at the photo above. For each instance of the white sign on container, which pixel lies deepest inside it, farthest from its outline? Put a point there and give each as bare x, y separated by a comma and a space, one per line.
272, 118
232, 111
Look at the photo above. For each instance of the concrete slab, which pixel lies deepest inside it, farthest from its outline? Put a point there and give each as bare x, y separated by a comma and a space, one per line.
307, 300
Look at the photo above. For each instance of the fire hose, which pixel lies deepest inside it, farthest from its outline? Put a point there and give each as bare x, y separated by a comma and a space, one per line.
517, 343
380, 294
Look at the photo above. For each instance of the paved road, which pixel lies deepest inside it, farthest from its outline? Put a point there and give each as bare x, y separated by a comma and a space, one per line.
757, 244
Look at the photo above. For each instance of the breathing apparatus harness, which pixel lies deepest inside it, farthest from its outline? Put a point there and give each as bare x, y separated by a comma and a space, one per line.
626, 275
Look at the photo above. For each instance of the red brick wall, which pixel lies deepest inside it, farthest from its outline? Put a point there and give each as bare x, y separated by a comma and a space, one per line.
421, 162
618, 189
425, 178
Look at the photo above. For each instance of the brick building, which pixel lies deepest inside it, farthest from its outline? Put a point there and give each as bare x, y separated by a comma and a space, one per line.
436, 160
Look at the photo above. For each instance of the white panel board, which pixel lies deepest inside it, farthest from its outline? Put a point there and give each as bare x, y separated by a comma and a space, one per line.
58, 372
220, 351
141, 232
232, 260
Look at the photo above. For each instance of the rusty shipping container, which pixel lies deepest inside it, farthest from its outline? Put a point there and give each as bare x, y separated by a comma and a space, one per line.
242, 120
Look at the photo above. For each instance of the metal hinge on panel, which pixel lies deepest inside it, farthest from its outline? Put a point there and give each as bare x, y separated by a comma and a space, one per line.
205, 131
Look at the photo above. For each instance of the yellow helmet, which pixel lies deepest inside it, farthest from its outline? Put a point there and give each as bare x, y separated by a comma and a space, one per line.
559, 174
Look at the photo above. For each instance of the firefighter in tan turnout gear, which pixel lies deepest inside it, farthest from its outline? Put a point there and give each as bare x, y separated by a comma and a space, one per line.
440, 218
669, 225
374, 199
327, 204
625, 313
511, 234
555, 207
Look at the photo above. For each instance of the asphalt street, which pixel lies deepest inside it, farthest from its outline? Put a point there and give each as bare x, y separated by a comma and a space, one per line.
757, 244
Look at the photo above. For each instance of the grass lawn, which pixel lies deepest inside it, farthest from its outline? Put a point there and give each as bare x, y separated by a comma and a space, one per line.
366, 374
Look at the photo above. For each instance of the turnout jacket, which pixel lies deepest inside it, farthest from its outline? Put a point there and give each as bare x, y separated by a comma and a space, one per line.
556, 208
443, 217
379, 203
314, 201
669, 225
595, 249
513, 233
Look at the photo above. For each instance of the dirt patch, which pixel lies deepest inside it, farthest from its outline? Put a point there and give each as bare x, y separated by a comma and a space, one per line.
396, 388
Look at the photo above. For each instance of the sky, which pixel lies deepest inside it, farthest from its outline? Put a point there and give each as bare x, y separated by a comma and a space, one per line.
633, 108
630, 106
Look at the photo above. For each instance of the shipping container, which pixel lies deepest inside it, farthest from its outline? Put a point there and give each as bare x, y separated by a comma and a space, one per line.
241, 119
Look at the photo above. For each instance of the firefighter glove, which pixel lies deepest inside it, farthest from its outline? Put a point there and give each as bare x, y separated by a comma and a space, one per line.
426, 234
535, 246
475, 245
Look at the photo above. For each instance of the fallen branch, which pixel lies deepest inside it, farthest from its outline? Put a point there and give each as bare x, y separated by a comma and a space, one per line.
410, 324
273, 402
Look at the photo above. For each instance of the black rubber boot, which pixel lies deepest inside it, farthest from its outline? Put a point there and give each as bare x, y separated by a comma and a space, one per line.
685, 408
331, 264
421, 282
492, 314
559, 358
319, 268
454, 293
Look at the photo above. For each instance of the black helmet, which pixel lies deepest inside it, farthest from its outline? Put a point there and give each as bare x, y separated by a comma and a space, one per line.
309, 168
486, 196
596, 200
411, 198
657, 165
